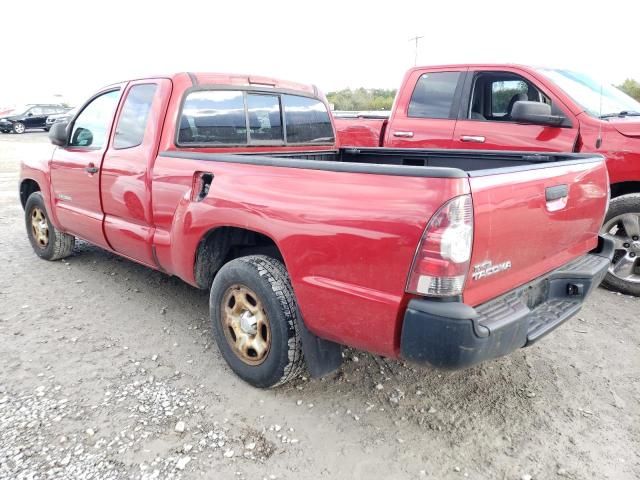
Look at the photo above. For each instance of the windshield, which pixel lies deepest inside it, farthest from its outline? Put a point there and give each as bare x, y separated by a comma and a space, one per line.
585, 91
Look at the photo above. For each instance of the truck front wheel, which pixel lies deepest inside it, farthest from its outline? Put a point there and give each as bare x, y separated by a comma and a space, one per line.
255, 320
47, 242
622, 225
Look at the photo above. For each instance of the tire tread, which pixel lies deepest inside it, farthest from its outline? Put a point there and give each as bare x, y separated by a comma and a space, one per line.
273, 276
618, 206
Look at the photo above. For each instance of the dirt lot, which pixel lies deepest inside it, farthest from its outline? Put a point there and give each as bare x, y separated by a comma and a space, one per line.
102, 361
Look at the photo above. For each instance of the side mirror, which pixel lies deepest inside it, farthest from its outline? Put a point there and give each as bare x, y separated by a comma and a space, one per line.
82, 137
536, 113
30, 114
58, 134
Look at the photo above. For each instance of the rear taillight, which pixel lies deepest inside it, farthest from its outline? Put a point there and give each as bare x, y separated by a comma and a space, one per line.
442, 259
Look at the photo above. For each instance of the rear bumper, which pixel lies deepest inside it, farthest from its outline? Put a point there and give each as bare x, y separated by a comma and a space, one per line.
452, 335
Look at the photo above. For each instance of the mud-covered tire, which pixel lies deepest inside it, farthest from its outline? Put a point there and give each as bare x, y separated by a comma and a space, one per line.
59, 244
268, 278
622, 205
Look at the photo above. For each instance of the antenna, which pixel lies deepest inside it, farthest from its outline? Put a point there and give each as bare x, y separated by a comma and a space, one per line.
599, 139
415, 56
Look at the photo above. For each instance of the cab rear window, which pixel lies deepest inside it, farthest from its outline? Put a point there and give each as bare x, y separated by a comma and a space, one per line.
307, 120
213, 117
238, 117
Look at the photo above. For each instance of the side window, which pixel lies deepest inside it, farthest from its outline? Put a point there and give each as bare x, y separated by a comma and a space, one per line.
306, 120
433, 95
133, 117
504, 93
264, 118
36, 111
90, 127
213, 116
495, 93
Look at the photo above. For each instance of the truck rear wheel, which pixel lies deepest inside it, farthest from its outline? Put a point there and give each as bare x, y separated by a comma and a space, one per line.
622, 225
255, 321
47, 242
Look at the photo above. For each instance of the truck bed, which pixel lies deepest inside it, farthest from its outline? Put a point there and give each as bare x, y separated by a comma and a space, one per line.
475, 163
348, 221
403, 162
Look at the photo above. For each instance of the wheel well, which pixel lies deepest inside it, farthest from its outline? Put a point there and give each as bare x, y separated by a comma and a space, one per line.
223, 244
27, 187
624, 188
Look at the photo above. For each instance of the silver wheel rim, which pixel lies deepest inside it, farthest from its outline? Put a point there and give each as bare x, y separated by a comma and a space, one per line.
20, 128
624, 231
246, 324
39, 228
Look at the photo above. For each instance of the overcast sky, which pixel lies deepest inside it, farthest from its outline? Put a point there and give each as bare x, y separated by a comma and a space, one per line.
75, 47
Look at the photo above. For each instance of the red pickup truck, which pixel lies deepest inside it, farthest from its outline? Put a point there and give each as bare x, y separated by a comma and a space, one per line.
234, 184
514, 107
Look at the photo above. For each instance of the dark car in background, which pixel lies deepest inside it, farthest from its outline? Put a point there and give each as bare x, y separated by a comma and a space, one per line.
60, 117
24, 117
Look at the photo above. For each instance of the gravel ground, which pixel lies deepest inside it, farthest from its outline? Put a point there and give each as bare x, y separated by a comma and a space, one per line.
108, 371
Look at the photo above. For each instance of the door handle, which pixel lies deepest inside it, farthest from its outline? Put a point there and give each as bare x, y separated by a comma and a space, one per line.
91, 168
403, 134
472, 138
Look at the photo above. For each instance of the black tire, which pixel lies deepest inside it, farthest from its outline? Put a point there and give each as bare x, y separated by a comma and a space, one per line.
268, 278
5, 131
624, 204
59, 244
46, 129
19, 128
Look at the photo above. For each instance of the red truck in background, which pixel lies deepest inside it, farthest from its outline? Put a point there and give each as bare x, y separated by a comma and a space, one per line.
514, 107
234, 184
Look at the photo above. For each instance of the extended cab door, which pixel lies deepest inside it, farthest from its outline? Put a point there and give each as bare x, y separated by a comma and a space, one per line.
485, 114
126, 181
75, 168
426, 109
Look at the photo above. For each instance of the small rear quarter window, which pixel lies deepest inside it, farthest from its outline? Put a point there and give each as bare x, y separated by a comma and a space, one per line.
433, 95
133, 118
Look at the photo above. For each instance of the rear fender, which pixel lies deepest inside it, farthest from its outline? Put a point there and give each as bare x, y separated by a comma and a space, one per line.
191, 225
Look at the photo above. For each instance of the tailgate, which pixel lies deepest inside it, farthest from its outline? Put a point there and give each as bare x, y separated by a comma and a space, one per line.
531, 221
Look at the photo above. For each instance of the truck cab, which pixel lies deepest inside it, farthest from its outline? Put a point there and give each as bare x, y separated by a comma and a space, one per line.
515, 107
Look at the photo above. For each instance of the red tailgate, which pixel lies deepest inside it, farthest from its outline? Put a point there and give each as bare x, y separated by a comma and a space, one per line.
525, 225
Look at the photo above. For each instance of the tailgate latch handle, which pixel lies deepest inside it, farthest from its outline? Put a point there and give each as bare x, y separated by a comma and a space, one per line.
556, 192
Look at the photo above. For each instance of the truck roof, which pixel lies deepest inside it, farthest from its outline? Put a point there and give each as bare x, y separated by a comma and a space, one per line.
212, 78
472, 65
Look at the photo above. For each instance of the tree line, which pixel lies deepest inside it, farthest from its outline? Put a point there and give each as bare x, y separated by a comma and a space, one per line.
382, 99
362, 99
631, 87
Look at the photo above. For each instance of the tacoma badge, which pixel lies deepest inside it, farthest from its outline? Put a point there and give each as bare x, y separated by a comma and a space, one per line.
487, 268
